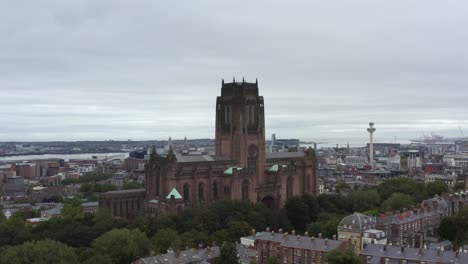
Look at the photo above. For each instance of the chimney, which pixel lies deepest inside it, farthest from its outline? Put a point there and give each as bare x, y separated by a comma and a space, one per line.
208, 250
268, 229
326, 242
177, 253
334, 237
280, 230
312, 238
253, 232
320, 235
306, 234
298, 237
293, 232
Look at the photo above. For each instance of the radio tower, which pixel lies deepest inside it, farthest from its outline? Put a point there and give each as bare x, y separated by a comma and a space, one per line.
371, 131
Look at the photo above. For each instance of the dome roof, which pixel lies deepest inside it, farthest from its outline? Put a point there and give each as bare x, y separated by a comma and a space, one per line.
357, 221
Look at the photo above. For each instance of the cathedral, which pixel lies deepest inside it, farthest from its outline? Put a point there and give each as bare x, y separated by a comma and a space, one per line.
241, 168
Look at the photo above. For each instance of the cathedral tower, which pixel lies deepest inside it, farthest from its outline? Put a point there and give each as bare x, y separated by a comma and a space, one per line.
240, 126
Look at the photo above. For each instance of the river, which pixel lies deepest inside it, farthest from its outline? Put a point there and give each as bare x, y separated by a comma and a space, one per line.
66, 157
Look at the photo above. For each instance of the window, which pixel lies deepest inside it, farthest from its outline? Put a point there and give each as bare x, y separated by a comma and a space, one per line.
289, 187
215, 190
245, 190
186, 192
201, 192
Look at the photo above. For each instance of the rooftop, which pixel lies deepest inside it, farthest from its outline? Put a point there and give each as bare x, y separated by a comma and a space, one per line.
303, 242
283, 155
378, 252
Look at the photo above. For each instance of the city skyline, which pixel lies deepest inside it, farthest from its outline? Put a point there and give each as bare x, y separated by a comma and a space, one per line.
118, 70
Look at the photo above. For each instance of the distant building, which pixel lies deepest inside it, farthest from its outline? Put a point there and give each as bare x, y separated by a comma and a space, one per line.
52, 212
449, 180
353, 227
206, 255
123, 203
14, 186
374, 236
461, 146
294, 248
410, 161
356, 161
434, 168
415, 227
90, 207
386, 254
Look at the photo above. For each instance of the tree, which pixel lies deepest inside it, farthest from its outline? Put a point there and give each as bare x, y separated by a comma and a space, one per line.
298, 213
343, 257
123, 245
91, 256
455, 228
397, 201
164, 239
228, 254
402, 185
13, 232
272, 260
459, 186
342, 187
364, 200
326, 224
39, 252
237, 229
313, 204
133, 185
436, 187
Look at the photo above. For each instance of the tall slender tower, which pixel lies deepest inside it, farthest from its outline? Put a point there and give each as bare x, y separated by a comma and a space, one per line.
371, 131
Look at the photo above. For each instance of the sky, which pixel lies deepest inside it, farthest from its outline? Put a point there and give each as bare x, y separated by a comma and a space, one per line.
98, 70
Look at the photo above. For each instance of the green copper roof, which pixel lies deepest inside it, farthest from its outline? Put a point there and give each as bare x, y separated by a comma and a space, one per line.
275, 168
175, 193
230, 170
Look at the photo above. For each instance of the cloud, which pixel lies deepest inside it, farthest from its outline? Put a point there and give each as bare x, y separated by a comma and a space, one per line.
146, 70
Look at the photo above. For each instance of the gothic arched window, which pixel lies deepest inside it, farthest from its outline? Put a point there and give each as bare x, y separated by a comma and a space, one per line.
215, 190
201, 192
245, 190
289, 187
186, 192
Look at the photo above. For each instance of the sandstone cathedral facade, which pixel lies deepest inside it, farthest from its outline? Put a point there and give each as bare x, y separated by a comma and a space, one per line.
241, 168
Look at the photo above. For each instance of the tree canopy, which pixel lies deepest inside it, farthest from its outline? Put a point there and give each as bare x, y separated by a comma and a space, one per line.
123, 245
39, 252
343, 257
228, 254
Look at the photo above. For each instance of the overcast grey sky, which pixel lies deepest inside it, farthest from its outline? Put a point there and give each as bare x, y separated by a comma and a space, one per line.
85, 70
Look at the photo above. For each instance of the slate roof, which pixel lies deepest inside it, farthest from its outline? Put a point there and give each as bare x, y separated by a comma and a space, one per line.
284, 155
358, 221
197, 256
303, 242
413, 254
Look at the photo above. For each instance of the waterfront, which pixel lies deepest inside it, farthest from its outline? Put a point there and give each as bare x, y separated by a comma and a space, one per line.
99, 156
